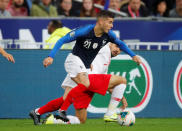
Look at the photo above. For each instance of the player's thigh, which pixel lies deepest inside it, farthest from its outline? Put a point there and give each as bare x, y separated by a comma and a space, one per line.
68, 82
116, 80
81, 114
82, 78
67, 90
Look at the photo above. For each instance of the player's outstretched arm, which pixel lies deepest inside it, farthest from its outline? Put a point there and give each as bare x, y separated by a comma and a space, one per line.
124, 47
137, 60
48, 61
71, 36
9, 57
121, 44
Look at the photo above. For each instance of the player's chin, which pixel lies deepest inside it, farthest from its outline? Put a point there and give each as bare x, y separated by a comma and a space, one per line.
106, 31
113, 55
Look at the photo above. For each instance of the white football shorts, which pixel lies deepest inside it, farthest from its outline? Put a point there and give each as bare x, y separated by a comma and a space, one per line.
74, 65
100, 66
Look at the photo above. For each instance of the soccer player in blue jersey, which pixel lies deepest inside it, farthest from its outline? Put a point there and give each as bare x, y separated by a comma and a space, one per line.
89, 40
9, 57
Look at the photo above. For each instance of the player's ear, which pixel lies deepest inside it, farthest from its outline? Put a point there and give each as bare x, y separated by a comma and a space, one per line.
101, 20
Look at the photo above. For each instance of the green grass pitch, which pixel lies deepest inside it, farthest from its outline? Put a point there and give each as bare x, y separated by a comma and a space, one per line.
142, 124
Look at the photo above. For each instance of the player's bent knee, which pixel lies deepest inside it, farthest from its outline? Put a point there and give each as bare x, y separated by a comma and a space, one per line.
86, 83
123, 80
83, 79
119, 80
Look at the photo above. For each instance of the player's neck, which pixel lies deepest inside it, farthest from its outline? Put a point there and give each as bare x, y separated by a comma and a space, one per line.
98, 31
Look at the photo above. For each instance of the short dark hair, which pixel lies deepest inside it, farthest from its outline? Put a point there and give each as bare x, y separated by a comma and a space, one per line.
56, 24
105, 14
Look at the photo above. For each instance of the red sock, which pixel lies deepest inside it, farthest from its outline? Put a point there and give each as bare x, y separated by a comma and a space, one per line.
51, 106
72, 95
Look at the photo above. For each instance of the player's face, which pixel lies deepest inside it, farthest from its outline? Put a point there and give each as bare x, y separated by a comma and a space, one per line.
115, 50
107, 24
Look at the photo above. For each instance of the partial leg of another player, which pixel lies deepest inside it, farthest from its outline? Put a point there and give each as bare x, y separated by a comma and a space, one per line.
49, 107
82, 78
56, 104
81, 114
80, 105
99, 84
82, 101
80, 118
83, 83
116, 96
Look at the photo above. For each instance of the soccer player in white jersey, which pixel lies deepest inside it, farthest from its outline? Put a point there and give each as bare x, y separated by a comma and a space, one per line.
8, 56
100, 65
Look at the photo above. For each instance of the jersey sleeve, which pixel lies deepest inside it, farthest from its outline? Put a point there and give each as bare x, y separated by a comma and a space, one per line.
71, 36
121, 44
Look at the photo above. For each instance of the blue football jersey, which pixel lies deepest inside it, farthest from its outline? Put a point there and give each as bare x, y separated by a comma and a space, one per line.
88, 45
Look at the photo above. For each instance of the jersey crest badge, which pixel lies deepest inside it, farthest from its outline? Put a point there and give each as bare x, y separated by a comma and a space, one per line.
95, 45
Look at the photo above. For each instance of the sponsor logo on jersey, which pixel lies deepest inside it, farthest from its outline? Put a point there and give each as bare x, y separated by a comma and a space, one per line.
177, 85
139, 84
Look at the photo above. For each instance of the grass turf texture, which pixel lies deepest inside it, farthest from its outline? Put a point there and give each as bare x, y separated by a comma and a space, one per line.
142, 124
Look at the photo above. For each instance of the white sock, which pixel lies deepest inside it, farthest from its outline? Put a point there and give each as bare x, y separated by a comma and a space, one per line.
116, 97
36, 111
73, 119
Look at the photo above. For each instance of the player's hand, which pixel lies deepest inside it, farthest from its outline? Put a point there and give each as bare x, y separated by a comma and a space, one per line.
9, 57
137, 60
48, 61
124, 104
91, 67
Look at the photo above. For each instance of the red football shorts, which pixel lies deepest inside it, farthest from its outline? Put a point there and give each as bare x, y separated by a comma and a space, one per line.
98, 84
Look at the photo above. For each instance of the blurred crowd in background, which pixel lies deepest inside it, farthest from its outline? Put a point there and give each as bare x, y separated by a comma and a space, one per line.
86, 8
